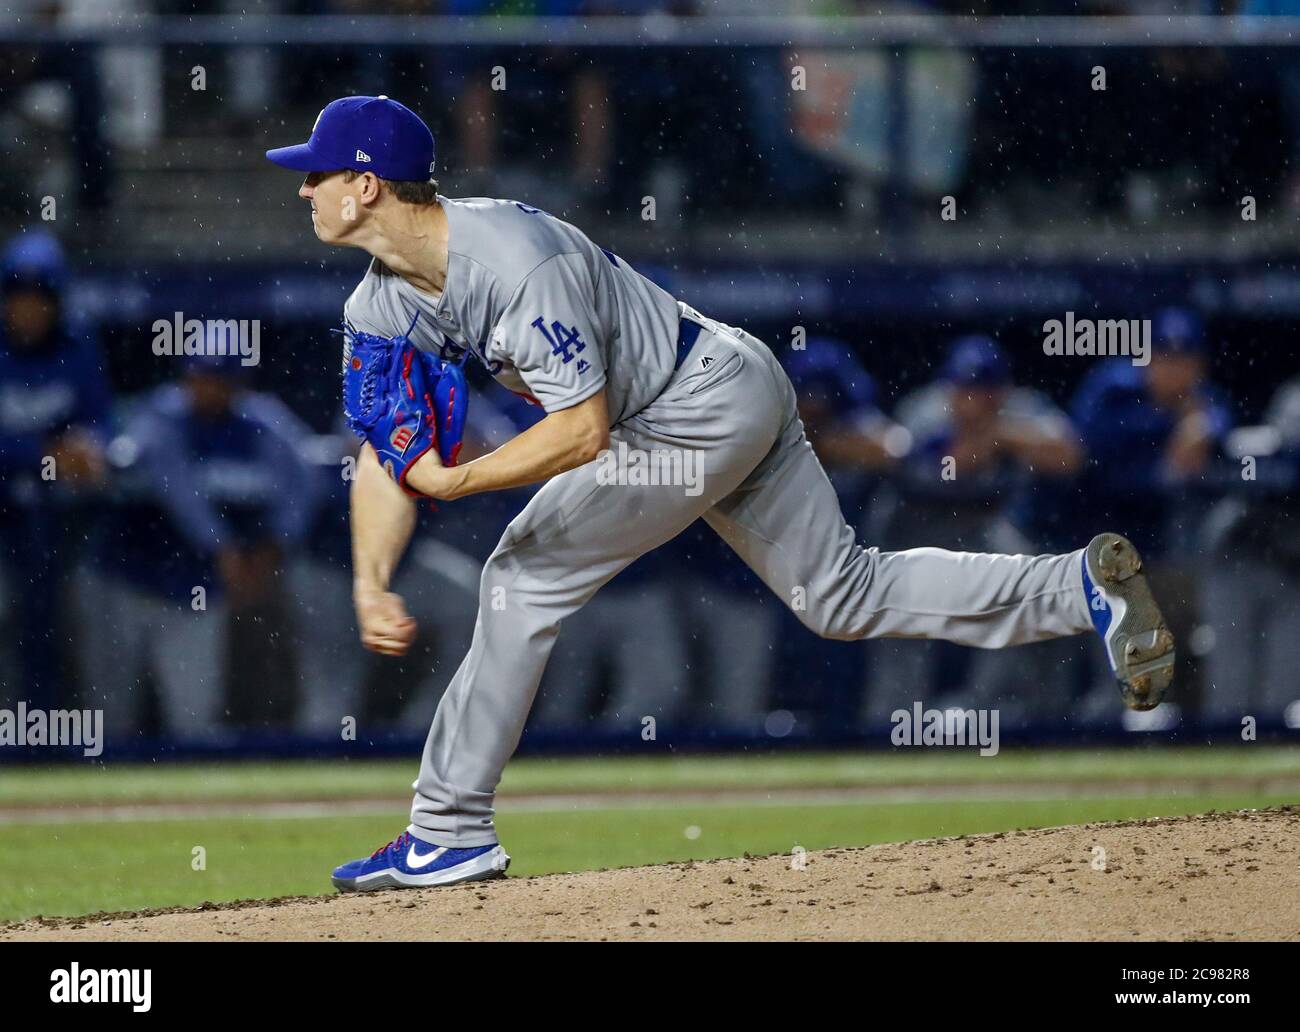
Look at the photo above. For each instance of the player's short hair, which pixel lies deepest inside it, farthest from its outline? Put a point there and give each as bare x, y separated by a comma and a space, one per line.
408, 191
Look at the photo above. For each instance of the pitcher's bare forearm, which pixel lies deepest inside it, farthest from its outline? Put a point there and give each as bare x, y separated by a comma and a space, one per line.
562, 441
383, 517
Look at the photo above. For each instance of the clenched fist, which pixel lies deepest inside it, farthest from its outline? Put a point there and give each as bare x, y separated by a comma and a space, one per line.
385, 625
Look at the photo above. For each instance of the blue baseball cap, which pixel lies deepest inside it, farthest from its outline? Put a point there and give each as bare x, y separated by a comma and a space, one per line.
365, 134
1178, 331
977, 361
827, 369
33, 259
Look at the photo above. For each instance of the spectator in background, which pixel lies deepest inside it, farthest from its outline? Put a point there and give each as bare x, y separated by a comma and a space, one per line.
54, 416
1285, 69
216, 497
425, 77
1251, 595
549, 74
1159, 425
26, 104
856, 443
553, 105
675, 103
130, 77
977, 441
841, 415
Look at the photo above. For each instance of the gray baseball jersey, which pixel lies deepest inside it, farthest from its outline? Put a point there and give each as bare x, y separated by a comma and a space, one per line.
549, 313
717, 437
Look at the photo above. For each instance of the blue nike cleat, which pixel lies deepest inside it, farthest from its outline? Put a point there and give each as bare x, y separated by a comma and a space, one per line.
1139, 645
411, 863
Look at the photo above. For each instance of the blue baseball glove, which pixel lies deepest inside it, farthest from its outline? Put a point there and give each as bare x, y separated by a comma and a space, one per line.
401, 400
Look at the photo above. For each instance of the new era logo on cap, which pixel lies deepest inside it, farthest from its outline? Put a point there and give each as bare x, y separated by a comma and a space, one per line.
365, 134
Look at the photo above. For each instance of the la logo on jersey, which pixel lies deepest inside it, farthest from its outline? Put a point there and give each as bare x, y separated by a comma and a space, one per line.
565, 341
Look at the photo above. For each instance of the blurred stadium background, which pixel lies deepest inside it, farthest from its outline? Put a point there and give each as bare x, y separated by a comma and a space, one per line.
133, 186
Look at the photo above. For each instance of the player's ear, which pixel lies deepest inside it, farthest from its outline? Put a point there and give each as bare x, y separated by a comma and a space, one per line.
368, 188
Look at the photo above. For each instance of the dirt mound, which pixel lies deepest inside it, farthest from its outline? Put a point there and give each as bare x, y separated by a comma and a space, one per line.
1214, 876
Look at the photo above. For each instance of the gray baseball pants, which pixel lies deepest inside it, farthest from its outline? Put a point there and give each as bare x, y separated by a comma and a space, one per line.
764, 492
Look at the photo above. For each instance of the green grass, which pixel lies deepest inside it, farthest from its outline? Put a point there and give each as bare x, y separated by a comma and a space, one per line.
135, 865
314, 779
138, 864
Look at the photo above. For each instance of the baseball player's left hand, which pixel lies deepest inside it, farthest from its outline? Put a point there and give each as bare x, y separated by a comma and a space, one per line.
406, 404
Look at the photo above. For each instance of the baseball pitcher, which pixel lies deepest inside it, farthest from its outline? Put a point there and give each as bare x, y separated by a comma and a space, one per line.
622, 369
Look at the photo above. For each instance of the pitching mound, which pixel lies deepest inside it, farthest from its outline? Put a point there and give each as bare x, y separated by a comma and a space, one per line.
1215, 876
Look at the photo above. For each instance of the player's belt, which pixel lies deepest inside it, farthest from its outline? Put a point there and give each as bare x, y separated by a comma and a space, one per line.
688, 332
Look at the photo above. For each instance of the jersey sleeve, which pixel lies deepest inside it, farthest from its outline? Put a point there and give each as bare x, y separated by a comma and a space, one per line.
361, 310
548, 332
362, 313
